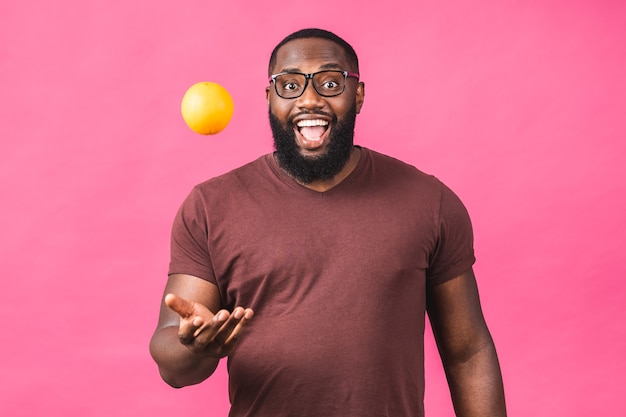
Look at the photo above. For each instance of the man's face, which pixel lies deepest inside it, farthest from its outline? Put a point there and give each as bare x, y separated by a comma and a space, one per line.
318, 152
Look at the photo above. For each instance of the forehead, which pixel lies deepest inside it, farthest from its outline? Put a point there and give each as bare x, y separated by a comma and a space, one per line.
309, 55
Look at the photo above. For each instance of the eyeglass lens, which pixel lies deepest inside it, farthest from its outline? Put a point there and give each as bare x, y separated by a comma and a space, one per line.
326, 83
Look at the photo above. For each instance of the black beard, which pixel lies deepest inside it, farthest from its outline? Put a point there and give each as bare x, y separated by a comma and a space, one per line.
320, 168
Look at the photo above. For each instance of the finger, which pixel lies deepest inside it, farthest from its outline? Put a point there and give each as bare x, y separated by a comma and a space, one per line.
231, 330
233, 337
189, 328
200, 330
205, 332
248, 313
220, 336
216, 323
183, 307
215, 331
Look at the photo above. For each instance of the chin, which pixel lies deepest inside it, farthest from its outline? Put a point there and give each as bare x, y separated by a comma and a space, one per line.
314, 164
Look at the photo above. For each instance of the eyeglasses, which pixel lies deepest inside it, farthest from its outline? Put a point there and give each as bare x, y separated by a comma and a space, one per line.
329, 83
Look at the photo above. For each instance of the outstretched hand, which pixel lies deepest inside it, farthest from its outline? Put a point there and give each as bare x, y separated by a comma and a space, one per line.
203, 332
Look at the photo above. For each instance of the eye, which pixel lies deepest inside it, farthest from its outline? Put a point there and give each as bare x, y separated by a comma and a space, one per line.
329, 81
290, 86
290, 82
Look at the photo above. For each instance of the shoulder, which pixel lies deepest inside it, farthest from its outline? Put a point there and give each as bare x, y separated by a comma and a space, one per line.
242, 174
226, 187
410, 185
400, 173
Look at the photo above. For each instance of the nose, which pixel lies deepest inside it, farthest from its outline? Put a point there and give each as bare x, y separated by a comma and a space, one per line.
310, 97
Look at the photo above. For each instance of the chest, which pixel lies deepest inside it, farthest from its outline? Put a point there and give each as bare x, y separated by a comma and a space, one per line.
303, 251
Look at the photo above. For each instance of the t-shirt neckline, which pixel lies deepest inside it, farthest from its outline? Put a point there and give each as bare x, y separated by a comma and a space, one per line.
293, 184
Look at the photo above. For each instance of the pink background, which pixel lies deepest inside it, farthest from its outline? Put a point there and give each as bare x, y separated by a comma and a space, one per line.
519, 106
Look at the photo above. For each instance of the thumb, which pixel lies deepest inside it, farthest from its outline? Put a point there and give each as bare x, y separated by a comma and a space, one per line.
183, 307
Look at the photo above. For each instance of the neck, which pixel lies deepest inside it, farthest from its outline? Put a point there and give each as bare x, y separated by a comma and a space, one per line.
325, 185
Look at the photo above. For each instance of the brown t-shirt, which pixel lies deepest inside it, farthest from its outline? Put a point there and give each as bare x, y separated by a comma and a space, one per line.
336, 279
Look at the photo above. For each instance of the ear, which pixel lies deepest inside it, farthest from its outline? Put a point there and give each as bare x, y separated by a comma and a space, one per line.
360, 96
267, 95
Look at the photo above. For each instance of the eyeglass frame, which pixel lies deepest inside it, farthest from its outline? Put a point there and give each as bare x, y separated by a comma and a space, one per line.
310, 76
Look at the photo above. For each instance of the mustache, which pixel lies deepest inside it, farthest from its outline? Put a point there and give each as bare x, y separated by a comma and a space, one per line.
309, 112
314, 112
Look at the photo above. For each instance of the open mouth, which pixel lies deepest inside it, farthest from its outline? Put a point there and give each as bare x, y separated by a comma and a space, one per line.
312, 130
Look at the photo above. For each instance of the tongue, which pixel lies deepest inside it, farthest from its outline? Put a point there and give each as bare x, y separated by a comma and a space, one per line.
312, 132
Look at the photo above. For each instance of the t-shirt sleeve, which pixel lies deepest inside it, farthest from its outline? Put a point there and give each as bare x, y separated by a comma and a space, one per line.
454, 250
189, 251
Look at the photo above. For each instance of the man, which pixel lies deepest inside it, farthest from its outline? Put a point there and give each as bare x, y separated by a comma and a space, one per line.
312, 268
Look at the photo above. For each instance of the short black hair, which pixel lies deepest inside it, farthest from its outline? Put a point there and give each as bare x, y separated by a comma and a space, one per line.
317, 33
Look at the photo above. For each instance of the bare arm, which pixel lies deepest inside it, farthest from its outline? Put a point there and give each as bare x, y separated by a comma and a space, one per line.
466, 348
193, 333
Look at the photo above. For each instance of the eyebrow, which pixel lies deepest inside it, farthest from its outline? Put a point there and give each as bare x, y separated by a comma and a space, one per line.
322, 67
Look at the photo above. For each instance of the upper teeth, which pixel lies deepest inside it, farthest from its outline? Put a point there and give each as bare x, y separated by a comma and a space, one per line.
307, 123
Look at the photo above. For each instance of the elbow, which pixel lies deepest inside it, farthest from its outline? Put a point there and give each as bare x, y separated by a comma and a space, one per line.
179, 368
180, 379
172, 382
469, 352
176, 380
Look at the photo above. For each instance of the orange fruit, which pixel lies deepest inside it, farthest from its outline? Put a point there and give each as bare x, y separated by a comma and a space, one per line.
207, 108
